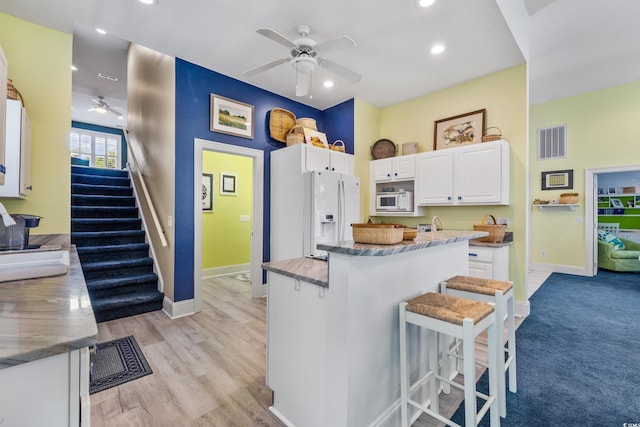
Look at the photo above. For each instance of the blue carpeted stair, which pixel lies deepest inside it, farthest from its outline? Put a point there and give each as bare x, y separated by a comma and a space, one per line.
111, 244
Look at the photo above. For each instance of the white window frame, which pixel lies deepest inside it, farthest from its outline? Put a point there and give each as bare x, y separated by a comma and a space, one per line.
92, 156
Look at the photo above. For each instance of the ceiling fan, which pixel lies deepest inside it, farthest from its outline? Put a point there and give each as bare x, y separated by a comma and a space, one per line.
101, 106
304, 56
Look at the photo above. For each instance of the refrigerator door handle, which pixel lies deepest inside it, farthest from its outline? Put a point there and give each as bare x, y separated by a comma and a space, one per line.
341, 210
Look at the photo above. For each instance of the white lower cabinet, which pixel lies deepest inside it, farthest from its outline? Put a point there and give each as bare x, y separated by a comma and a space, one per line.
52, 392
488, 262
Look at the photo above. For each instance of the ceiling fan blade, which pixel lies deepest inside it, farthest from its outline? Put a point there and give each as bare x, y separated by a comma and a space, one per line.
303, 83
338, 43
277, 37
352, 76
265, 67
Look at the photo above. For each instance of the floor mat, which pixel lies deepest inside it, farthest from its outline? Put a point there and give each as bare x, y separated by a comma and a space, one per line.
117, 362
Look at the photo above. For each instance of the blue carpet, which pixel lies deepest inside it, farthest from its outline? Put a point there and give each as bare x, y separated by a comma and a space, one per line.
578, 355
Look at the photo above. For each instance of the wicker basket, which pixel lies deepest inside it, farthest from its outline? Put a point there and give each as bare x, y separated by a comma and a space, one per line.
13, 93
409, 233
295, 135
280, 123
307, 123
495, 230
336, 147
493, 136
568, 198
383, 148
378, 234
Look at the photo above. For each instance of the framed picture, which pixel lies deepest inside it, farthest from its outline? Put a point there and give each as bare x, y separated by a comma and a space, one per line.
637, 201
616, 203
556, 180
611, 190
315, 138
231, 117
227, 184
459, 130
207, 194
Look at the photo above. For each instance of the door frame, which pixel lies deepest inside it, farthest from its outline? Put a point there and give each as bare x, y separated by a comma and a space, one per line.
590, 213
201, 145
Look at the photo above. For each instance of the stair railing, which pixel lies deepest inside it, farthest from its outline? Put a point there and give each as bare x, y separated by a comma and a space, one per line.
147, 197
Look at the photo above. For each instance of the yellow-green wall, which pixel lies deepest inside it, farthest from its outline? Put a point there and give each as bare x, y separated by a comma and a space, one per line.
504, 96
225, 239
600, 133
40, 66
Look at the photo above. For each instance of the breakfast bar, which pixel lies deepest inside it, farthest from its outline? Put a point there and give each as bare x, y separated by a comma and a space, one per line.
332, 327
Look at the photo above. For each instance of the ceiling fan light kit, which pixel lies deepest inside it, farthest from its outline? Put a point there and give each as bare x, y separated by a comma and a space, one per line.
304, 57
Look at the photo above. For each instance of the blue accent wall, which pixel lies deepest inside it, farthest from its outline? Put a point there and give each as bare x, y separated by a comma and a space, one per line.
194, 84
104, 129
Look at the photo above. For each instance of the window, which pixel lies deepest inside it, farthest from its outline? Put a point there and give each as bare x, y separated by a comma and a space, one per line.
102, 150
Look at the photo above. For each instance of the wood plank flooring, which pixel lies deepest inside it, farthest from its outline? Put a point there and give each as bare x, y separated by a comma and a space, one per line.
208, 368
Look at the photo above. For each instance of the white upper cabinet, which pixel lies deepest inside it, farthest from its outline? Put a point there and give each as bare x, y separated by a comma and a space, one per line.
3, 96
18, 152
476, 174
400, 168
321, 159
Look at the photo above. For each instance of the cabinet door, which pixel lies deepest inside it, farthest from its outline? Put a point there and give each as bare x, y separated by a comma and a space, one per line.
25, 154
317, 159
404, 167
341, 162
435, 178
478, 174
3, 111
381, 169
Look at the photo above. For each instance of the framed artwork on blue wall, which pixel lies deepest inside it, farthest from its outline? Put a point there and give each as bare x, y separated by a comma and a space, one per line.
231, 117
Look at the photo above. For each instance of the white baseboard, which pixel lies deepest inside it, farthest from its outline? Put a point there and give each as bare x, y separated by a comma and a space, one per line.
178, 309
225, 270
556, 268
522, 309
281, 417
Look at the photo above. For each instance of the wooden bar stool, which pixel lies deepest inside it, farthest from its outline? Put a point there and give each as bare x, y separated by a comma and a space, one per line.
499, 293
460, 318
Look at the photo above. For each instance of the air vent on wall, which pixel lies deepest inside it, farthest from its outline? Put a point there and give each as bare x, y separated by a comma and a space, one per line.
552, 143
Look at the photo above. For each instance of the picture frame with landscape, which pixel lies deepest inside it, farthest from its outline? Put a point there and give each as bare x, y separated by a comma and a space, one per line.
456, 131
231, 117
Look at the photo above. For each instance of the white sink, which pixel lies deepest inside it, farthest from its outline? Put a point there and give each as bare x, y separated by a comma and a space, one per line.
29, 265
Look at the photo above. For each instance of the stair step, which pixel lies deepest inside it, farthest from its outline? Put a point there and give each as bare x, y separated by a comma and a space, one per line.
112, 252
81, 239
103, 288
88, 189
104, 212
116, 268
98, 200
87, 170
102, 224
119, 306
100, 180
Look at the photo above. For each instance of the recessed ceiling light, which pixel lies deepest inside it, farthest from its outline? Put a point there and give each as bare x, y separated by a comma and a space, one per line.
108, 77
437, 49
101, 31
327, 83
425, 3
74, 68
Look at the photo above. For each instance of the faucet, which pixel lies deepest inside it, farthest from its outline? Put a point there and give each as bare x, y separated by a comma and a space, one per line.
434, 226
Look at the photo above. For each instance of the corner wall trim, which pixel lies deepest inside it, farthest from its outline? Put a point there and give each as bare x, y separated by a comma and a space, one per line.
178, 309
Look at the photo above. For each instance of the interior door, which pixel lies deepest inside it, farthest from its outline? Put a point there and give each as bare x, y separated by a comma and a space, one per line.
594, 231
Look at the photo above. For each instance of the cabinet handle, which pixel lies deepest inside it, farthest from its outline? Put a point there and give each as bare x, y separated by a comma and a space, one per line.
449, 198
389, 175
472, 254
29, 188
3, 169
326, 168
333, 169
395, 174
459, 197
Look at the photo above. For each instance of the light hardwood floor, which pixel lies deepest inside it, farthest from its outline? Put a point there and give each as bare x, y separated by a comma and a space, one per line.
208, 368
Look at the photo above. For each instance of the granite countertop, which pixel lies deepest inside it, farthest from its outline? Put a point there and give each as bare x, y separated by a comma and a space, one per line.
317, 272
424, 240
45, 316
309, 270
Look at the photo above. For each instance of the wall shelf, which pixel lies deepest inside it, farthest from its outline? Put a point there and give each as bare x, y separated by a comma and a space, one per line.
557, 207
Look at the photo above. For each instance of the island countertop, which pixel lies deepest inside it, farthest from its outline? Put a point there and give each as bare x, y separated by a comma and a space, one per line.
316, 271
45, 316
424, 240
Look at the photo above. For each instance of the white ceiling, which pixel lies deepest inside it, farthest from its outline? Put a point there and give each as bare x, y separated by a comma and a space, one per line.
575, 45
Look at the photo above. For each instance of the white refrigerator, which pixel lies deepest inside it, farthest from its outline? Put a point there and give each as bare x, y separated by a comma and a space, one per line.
331, 205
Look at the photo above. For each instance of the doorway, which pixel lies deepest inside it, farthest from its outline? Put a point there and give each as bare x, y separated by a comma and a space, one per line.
592, 190
257, 156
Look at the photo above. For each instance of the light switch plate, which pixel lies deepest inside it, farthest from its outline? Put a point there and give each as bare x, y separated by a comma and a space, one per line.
244, 218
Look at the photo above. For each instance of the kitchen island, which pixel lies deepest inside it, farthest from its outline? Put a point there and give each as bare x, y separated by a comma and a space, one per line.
332, 327
46, 327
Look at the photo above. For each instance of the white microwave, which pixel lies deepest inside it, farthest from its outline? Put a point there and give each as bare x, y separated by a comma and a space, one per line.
401, 201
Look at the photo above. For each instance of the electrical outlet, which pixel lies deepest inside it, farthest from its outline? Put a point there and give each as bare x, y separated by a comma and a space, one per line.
169, 221
504, 221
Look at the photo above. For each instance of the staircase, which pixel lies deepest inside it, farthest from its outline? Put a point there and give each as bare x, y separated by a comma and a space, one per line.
108, 234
